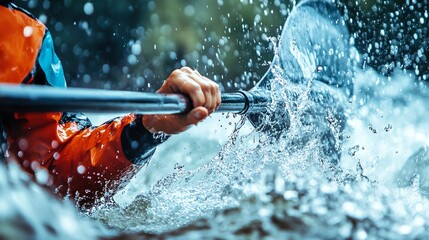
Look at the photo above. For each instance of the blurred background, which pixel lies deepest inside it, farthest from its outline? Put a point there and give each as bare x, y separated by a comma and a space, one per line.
135, 44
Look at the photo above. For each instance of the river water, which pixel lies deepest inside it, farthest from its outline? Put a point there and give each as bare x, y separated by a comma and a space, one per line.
207, 183
225, 179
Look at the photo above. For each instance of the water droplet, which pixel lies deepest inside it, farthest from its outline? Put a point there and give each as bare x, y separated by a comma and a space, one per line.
23, 144
353, 150
372, 129
132, 59
189, 11
42, 176
105, 68
55, 144
388, 127
81, 169
88, 8
136, 48
28, 31
35, 165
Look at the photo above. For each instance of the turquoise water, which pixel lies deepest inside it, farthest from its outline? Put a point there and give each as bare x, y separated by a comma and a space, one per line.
231, 183
225, 179
256, 188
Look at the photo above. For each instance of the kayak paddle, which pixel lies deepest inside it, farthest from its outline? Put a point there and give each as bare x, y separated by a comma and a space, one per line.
314, 40
34, 98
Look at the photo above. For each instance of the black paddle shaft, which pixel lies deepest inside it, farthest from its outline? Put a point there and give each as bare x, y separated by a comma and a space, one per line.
323, 40
26, 98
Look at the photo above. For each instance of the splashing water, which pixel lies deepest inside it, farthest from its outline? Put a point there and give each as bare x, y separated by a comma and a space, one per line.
260, 187
319, 178
29, 212
225, 179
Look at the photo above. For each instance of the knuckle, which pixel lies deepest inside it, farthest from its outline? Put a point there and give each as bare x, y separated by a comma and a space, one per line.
187, 70
192, 87
213, 89
175, 73
215, 86
212, 83
205, 86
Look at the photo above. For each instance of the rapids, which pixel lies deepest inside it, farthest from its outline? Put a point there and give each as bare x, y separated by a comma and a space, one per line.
223, 179
260, 188
226, 179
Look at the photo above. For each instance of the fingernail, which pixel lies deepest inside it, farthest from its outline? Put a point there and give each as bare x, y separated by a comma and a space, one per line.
198, 115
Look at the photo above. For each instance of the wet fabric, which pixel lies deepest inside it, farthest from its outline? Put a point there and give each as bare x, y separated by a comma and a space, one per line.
83, 161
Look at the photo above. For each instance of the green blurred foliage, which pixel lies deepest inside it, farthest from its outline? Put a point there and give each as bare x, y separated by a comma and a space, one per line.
226, 40
135, 44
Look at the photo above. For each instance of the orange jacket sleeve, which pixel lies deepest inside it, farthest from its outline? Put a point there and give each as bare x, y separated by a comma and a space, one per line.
78, 161
62, 150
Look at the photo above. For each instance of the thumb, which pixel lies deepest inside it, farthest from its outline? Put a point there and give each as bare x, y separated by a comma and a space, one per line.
196, 115
179, 123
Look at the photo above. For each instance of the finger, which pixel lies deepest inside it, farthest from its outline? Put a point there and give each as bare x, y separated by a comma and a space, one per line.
187, 70
196, 115
196, 88
206, 88
217, 99
172, 124
201, 90
215, 93
215, 96
193, 89
210, 90
183, 122
180, 81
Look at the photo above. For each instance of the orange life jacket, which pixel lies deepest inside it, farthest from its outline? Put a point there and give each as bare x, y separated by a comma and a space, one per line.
62, 150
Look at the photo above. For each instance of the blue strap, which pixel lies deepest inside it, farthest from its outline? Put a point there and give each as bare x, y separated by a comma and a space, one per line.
51, 64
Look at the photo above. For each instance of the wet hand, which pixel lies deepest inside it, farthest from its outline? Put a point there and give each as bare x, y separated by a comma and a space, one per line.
203, 92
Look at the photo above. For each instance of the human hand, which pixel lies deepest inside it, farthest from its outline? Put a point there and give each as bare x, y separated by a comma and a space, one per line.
204, 95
